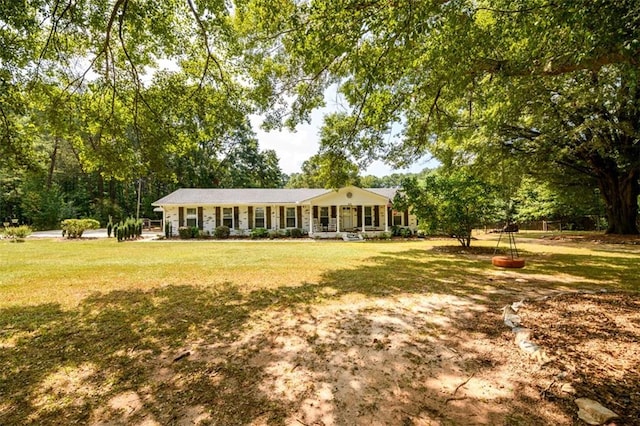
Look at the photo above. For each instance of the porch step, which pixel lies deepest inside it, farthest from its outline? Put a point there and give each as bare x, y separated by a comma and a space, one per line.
352, 237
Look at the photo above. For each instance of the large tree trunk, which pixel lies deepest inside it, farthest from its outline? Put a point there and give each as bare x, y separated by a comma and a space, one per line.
620, 194
52, 163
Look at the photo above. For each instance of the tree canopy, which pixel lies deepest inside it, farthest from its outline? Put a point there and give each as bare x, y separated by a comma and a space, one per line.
549, 85
100, 99
449, 203
97, 96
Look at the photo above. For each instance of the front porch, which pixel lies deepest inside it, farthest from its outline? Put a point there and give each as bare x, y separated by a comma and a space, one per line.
331, 221
325, 235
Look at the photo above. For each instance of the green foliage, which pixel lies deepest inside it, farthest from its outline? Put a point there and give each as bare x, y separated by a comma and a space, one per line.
452, 204
129, 229
195, 232
109, 227
275, 234
105, 209
295, 233
168, 229
184, 232
471, 83
536, 200
401, 231
43, 204
17, 232
326, 170
259, 233
406, 232
74, 228
90, 140
222, 232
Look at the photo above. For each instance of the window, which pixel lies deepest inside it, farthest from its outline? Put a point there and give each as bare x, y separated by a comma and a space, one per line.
324, 216
227, 217
192, 217
259, 217
368, 216
397, 218
291, 217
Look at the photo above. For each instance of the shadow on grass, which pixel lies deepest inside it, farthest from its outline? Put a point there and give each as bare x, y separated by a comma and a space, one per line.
114, 357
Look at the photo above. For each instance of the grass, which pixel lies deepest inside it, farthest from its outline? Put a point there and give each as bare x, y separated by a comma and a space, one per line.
84, 322
66, 272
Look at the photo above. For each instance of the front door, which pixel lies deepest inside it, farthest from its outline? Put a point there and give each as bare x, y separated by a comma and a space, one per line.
346, 219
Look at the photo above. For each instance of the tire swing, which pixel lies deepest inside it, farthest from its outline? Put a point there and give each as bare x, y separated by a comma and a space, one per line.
513, 260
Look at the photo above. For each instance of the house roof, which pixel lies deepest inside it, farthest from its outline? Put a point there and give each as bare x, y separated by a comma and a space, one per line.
185, 196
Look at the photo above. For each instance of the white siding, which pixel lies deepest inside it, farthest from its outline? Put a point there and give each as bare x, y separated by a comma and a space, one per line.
171, 216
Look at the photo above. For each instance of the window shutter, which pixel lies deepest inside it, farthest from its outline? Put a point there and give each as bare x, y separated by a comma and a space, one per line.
315, 212
376, 216
406, 217
389, 216
218, 221
180, 216
282, 217
250, 217
333, 212
268, 217
236, 217
200, 218
359, 216
299, 215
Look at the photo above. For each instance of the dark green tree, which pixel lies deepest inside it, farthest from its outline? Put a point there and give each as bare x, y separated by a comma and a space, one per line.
468, 81
452, 204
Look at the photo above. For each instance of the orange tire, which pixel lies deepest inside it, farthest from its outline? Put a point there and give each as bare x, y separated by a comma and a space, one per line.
507, 262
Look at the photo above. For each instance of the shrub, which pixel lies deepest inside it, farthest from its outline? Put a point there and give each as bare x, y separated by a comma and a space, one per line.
73, 228
259, 233
17, 233
109, 227
222, 232
406, 232
195, 232
295, 233
275, 234
130, 229
184, 232
385, 236
168, 229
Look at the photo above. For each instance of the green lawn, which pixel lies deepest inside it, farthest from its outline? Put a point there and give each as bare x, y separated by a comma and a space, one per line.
101, 313
67, 272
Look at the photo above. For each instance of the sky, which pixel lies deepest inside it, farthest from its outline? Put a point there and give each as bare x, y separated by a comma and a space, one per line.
293, 148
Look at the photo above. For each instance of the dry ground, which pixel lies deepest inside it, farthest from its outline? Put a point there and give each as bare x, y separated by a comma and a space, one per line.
426, 348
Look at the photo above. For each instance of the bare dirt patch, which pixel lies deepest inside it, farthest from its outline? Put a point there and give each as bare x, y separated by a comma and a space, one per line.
410, 337
437, 359
594, 340
595, 238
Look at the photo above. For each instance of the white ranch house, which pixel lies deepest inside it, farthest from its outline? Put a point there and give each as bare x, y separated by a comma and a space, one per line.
323, 213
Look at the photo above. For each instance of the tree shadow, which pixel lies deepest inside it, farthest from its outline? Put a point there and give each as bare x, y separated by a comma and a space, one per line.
395, 335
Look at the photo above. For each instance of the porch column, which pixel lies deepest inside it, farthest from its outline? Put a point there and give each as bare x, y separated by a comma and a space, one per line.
364, 226
338, 211
311, 230
386, 219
